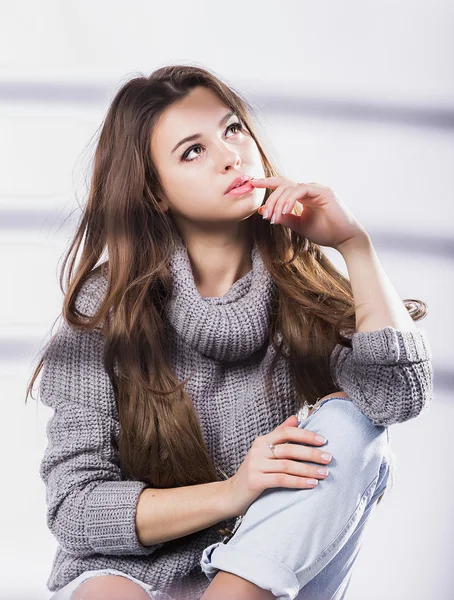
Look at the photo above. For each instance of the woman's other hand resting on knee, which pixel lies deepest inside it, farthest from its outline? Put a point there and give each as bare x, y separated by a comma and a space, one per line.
261, 470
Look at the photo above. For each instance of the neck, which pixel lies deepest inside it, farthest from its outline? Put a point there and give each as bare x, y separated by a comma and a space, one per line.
218, 261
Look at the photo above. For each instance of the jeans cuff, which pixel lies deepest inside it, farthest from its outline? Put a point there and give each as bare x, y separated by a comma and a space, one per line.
251, 566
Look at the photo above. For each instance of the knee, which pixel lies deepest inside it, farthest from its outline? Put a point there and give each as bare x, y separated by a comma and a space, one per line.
333, 395
109, 587
338, 394
348, 431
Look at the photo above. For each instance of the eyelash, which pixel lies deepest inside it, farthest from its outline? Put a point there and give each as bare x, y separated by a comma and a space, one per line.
240, 127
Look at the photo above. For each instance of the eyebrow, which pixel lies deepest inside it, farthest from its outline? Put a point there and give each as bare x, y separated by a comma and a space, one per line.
198, 135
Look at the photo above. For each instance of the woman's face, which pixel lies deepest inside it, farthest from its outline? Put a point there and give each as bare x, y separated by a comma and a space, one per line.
195, 174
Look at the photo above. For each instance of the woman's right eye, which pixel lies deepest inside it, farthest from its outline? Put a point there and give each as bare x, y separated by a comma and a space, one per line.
188, 151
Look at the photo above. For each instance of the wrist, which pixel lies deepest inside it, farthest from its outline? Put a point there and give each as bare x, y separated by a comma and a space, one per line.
230, 498
361, 241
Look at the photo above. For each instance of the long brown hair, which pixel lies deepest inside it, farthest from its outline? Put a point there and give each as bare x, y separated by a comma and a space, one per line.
161, 440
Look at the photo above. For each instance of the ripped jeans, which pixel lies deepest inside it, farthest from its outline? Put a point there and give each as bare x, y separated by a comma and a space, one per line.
302, 543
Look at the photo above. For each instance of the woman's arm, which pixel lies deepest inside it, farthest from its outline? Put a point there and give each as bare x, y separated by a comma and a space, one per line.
90, 507
171, 513
388, 370
377, 303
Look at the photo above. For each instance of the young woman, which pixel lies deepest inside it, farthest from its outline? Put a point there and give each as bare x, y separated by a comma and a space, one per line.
182, 459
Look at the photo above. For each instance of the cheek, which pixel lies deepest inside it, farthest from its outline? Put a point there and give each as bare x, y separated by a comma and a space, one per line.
182, 183
191, 184
192, 193
252, 157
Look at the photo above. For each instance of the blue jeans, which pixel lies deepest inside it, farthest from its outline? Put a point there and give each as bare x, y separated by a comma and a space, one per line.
302, 543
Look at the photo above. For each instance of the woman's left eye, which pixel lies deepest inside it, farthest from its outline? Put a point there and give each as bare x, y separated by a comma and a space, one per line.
184, 158
239, 125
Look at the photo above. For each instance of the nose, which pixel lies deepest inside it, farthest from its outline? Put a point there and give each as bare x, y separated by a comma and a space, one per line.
228, 157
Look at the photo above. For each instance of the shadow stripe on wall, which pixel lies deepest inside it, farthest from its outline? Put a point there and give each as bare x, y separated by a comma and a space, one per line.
398, 241
434, 117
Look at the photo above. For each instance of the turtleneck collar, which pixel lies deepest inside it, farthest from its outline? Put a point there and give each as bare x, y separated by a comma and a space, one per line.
229, 327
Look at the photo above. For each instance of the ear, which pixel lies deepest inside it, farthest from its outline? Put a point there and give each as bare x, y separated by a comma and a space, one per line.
164, 205
162, 199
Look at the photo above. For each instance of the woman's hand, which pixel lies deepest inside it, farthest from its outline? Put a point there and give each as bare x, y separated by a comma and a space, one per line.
260, 470
325, 220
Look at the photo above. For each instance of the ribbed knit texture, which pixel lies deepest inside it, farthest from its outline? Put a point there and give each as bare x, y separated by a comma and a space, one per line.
223, 342
227, 328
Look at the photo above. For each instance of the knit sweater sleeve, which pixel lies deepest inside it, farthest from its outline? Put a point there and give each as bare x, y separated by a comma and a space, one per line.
90, 508
387, 373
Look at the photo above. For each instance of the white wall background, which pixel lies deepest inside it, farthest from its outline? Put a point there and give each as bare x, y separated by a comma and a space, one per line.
357, 95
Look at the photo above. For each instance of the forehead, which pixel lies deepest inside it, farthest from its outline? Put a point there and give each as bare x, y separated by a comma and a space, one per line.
198, 110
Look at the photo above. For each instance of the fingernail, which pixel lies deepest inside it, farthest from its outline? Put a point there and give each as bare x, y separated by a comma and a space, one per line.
326, 456
284, 210
273, 218
265, 214
320, 438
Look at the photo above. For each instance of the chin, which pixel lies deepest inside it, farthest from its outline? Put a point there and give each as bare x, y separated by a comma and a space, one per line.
250, 213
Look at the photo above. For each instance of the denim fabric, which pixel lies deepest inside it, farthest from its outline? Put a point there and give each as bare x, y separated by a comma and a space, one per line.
302, 543
66, 592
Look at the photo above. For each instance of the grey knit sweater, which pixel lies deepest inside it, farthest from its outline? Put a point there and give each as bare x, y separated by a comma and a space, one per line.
91, 507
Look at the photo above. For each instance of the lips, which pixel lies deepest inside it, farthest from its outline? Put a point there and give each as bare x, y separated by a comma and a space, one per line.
237, 182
